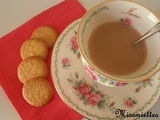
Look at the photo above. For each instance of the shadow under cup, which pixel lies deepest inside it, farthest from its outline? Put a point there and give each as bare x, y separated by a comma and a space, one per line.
112, 11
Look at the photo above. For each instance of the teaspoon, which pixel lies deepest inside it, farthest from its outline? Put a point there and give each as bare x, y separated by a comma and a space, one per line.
152, 31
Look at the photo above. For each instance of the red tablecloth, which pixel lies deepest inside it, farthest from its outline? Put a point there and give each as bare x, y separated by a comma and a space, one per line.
59, 17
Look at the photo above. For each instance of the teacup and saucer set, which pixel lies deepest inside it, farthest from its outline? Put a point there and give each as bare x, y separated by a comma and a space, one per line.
91, 92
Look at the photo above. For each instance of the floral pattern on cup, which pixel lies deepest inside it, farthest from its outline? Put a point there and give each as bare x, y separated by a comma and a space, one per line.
117, 84
65, 62
99, 78
126, 21
91, 73
130, 102
89, 94
74, 45
143, 84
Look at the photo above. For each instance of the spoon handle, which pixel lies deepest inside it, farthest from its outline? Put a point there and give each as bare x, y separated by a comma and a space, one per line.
152, 31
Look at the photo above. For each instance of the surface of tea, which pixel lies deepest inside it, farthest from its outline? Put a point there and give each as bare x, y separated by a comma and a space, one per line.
111, 49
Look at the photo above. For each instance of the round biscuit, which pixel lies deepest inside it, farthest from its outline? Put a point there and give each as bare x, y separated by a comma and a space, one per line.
47, 34
32, 67
37, 92
34, 47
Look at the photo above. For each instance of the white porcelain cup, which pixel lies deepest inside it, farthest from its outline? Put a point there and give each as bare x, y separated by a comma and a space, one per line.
130, 13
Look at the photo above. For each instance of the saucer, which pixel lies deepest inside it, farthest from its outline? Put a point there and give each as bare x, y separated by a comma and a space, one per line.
91, 99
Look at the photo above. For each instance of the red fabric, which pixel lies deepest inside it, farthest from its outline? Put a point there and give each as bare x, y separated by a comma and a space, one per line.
59, 17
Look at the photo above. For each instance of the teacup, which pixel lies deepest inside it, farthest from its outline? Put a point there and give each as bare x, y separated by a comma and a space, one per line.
141, 18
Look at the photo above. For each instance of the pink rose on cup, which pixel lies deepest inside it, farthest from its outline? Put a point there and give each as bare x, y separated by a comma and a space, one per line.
84, 89
93, 98
90, 72
127, 21
73, 43
119, 84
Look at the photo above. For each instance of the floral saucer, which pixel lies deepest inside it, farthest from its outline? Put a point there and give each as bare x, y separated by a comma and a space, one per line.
91, 99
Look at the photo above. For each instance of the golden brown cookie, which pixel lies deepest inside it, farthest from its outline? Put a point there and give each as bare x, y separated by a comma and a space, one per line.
32, 67
34, 47
37, 91
47, 34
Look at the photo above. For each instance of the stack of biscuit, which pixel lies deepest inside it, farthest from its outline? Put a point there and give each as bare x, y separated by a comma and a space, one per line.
32, 70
